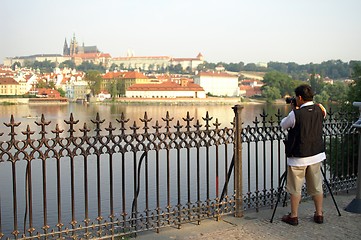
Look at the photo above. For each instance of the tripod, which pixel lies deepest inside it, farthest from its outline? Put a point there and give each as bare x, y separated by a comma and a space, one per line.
280, 190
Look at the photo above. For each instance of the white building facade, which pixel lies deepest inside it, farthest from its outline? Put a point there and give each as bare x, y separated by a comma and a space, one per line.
218, 83
157, 62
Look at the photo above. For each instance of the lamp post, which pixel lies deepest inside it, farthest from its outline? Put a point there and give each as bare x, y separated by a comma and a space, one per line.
355, 205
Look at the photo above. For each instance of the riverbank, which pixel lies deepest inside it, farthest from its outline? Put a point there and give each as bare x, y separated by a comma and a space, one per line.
147, 101
183, 101
33, 101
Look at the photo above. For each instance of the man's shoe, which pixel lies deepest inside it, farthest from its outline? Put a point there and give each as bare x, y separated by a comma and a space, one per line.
318, 218
290, 220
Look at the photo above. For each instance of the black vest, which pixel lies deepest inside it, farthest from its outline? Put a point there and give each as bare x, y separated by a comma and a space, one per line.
305, 138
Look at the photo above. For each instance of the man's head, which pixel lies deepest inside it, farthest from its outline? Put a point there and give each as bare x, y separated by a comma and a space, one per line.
304, 93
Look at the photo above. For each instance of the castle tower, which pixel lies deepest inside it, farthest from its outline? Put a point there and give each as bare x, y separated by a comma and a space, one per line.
73, 49
65, 48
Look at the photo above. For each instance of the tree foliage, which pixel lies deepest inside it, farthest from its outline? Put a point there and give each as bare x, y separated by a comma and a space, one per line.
44, 67
271, 93
281, 81
316, 83
15, 65
67, 64
322, 97
94, 79
354, 93
90, 66
336, 91
61, 91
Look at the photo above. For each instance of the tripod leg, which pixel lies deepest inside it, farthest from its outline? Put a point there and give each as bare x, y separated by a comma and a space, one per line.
330, 190
282, 182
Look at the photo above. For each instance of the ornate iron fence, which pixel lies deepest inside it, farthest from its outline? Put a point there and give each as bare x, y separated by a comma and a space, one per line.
79, 183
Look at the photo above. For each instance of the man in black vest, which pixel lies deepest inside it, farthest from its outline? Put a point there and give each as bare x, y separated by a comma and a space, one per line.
305, 151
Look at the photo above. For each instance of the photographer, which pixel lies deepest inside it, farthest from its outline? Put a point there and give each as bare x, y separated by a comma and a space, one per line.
305, 151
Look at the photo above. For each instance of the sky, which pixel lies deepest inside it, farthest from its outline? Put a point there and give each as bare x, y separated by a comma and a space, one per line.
230, 31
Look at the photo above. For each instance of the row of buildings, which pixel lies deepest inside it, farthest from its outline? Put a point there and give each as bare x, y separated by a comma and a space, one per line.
81, 53
130, 84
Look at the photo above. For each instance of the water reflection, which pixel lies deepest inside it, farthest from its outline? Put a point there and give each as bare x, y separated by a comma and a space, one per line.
85, 113
109, 113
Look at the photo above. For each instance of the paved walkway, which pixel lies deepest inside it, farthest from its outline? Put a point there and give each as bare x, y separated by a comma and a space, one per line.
256, 225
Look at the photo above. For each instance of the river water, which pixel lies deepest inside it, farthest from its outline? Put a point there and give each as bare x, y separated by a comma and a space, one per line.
26, 115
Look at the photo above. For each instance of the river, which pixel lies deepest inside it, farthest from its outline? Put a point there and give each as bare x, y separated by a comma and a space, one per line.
26, 115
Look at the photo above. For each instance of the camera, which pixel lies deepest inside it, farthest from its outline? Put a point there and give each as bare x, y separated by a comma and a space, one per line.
291, 100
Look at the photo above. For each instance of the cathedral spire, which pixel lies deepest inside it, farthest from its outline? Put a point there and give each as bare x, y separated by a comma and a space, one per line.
65, 48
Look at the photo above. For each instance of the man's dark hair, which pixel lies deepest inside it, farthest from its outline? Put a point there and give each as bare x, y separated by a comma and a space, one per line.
305, 91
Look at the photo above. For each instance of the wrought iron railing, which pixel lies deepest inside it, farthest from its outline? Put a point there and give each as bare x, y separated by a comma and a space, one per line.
121, 179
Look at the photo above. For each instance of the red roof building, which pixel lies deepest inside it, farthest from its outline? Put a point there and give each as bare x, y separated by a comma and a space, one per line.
166, 90
48, 93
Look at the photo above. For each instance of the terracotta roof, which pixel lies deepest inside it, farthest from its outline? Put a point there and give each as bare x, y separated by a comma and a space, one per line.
183, 59
134, 75
92, 55
111, 75
165, 86
64, 80
8, 81
125, 75
6, 71
142, 57
48, 92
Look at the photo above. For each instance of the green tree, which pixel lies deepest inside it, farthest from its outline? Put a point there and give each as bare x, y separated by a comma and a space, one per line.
121, 66
15, 65
51, 84
279, 67
45, 67
113, 67
316, 83
68, 64
176, 69
120, 87
354, 93
87, 66
323, 97
206, 66
250, 67
234, 67
42, 84
61, 91
281, 81
94, 79
271, 93
337, 91
112, 89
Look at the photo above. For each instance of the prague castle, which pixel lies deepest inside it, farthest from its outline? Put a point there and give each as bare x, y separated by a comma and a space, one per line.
81, 53
74, 48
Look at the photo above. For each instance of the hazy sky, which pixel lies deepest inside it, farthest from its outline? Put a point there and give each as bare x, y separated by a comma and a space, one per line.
229, 30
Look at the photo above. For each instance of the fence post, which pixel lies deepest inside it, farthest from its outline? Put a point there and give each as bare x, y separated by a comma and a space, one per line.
238, 160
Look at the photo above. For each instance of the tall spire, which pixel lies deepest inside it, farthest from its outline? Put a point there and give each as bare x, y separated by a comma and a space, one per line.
65, 48
73, 49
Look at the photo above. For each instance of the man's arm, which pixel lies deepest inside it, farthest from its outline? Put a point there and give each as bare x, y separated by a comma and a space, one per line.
289, 121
